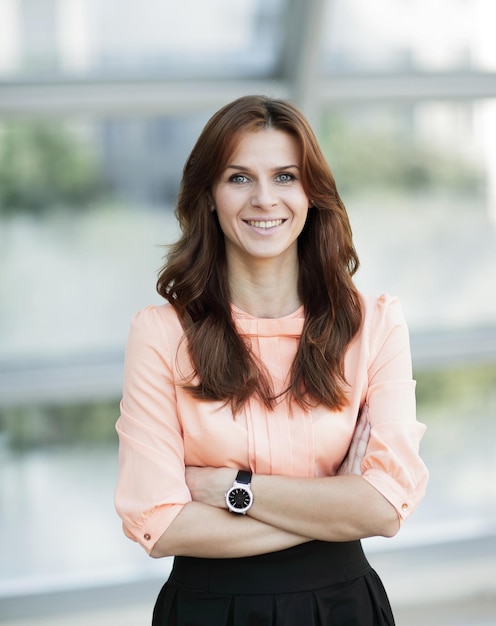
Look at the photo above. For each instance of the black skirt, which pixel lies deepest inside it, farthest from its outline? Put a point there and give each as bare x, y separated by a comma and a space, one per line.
314, 584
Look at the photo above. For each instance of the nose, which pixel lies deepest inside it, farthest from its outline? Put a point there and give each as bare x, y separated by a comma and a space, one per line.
263, 195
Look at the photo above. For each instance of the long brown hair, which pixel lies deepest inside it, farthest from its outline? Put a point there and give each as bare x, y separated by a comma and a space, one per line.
194, 277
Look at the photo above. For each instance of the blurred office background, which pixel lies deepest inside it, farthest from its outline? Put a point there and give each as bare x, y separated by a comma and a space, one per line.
100, 103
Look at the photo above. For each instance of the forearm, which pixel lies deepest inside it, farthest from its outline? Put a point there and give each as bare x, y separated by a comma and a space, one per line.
337, 508
207, 531
340, 508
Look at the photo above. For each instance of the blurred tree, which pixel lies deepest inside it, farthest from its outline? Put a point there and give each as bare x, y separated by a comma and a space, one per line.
44, 165
30, 426
363, 159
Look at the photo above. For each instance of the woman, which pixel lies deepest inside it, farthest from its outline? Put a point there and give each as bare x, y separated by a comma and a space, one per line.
242, 393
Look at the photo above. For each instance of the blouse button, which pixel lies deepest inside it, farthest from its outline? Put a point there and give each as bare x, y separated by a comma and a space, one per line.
404, 506
147, 537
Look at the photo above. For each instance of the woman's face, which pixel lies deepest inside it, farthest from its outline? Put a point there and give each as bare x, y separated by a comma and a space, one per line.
259, 198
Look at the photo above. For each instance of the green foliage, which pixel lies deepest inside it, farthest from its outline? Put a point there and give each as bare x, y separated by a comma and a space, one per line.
43, 165
462, 389
364, 158
31, 426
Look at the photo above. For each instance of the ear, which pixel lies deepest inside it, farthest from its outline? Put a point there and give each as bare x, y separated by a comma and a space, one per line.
210, 203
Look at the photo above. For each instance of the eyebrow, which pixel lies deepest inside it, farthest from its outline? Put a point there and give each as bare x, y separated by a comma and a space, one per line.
233, 166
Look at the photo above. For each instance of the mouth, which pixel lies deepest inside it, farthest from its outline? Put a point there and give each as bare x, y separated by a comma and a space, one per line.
265, 224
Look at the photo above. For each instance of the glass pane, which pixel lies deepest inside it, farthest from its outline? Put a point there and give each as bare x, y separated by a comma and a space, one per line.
410, 35
149, 38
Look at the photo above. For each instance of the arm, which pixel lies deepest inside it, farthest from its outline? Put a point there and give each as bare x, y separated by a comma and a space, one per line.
338, 508
208, 486
341, 508
206, 531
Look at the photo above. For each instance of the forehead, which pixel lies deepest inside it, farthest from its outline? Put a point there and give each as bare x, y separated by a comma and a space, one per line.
265, 145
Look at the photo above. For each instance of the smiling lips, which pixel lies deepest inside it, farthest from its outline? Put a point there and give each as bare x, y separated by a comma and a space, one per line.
264, 223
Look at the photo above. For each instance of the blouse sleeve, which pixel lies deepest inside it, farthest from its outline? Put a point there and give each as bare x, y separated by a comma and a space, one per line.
151, 488
392, 463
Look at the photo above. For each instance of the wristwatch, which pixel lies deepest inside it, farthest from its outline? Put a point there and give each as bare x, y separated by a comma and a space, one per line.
239, 497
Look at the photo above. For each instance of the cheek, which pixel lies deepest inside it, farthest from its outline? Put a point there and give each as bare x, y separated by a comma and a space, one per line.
227, 203
222, 200
304, 210
224, 216
299, 200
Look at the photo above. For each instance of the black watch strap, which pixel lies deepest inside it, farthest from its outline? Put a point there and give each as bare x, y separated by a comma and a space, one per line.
244, 477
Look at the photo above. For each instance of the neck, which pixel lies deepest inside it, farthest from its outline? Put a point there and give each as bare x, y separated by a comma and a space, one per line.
269, 290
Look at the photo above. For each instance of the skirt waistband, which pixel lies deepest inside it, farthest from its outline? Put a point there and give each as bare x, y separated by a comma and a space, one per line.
308, 566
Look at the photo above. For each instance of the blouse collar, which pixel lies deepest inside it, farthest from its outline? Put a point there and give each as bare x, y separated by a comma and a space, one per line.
290, 325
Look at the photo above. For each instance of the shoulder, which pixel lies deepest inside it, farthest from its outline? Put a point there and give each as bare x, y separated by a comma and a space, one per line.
381, 315
383, 322
154, 321
153, 314
382, 309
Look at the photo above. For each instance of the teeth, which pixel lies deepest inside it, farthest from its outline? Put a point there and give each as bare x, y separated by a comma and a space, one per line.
264, 224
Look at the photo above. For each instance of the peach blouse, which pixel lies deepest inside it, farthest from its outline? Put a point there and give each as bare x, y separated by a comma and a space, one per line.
162, 428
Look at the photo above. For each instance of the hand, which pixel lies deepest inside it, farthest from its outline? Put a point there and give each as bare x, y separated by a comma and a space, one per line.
352, 463
208, 485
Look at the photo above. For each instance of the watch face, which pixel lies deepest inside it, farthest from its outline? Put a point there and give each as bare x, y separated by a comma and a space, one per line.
239, 498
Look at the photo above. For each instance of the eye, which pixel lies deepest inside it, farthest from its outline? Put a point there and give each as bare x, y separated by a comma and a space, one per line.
238, 179
285, 177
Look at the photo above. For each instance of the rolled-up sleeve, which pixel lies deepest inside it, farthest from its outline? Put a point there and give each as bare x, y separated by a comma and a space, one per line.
392, 463
151, 488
